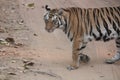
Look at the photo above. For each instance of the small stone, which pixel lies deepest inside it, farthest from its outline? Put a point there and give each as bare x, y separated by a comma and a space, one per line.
27, 64
43, 7
31, 5
30, 64
11, 73
101, 76
92, 66
108, 54
13, 61
10, 40
21, 22
35, 34
3, 42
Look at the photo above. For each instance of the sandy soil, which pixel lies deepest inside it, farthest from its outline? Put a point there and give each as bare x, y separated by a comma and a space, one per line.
44, 56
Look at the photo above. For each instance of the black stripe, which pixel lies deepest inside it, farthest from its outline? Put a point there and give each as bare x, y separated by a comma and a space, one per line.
105, 38
100, 33
98, 28
77, 20
118, 11
117, 20
68, 22
107, 10
94, 11
109, 19
60, 22
80, 11
86, 27
117, 42
106, 26
116, 29
91, 29
68, 34
87, 20
95, 37
118, 38
111, 11
71, 39
88, 17
118, 46
118, 8
71, 12
65, 30
114, 26
81, 48
102, 9
115, 17
98, 23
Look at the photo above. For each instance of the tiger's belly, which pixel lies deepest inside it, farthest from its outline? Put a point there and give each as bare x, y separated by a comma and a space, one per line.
104, 37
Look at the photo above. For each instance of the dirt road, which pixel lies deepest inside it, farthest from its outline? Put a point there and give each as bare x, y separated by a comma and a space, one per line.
50, 53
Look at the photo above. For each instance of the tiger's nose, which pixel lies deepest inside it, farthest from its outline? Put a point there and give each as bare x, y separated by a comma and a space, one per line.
47, 29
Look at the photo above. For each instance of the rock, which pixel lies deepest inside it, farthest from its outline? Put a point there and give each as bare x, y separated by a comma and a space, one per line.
31, 5
3, 42
27, 64
21, 22
11, 73
35, 34
10, 40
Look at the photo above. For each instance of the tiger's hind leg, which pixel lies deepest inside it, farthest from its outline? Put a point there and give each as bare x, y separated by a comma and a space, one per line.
116, 57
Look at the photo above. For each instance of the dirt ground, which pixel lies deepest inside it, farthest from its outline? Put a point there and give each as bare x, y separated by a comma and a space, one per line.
28, 52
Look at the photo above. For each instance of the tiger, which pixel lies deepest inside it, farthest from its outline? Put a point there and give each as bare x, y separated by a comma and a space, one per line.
82, 25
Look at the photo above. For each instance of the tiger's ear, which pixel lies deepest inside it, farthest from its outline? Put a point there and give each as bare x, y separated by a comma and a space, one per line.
47, 8
60, 11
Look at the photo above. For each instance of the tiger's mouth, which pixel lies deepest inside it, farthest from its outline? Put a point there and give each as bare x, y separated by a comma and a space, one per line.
50, 30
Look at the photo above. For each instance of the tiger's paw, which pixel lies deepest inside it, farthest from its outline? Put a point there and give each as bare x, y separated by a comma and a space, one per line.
84, 58
70, 67
113, 59
109, 61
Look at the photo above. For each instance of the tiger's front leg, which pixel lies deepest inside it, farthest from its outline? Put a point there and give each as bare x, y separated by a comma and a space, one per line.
78, 46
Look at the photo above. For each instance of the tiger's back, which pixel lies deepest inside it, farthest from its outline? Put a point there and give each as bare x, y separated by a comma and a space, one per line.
97, 23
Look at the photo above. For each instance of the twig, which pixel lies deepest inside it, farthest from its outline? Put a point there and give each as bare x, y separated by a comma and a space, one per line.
47, 73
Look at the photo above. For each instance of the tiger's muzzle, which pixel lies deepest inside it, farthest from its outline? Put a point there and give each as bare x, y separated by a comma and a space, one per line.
49, 30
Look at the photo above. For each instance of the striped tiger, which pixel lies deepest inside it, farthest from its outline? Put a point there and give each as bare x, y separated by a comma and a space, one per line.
82, 25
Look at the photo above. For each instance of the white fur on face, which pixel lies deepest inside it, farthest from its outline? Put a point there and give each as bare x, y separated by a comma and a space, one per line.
46, 17
54, 17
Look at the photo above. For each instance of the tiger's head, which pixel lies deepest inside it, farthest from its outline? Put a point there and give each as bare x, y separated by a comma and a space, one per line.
53, 19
